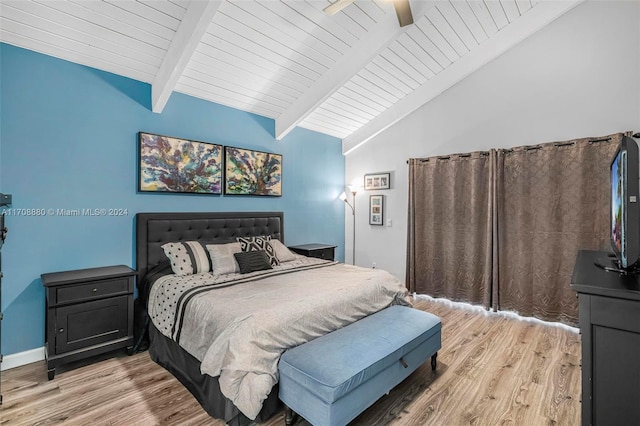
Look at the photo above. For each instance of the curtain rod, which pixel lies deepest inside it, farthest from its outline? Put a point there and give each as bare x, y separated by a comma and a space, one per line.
599, 140
448, 157
530, 148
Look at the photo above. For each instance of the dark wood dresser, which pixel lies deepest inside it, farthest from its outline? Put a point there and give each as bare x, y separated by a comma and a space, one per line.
321, 251
609, 310
88, 312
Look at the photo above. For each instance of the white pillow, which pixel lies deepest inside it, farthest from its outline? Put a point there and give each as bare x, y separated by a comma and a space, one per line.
222, 258
282, 252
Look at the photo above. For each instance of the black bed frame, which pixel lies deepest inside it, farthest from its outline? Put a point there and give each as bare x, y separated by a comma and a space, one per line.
155, 229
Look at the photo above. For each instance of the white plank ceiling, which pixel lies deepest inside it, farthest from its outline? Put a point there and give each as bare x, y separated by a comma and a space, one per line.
350, 75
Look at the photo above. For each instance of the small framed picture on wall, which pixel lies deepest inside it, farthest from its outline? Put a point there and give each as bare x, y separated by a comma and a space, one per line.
376, 210
377, 181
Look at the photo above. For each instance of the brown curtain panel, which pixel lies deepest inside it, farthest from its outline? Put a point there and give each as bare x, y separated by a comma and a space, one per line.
552, 200
450, 227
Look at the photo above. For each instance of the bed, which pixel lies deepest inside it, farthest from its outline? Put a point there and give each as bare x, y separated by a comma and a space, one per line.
232, 328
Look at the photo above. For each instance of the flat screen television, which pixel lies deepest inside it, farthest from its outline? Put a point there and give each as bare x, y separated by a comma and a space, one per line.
625, 213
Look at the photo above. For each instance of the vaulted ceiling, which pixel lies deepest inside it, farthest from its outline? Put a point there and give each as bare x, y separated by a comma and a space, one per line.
351, 75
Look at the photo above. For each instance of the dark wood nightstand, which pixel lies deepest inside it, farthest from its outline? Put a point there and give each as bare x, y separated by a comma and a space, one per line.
88, 312
322, 251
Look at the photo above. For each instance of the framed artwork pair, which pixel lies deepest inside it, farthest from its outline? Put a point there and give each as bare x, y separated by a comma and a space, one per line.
376, 181
173, 165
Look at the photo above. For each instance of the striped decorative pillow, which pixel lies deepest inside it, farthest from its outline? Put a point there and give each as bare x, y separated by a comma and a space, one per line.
187, 258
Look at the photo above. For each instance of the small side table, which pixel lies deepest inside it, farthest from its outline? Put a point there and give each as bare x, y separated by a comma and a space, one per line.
321, 251
88, 312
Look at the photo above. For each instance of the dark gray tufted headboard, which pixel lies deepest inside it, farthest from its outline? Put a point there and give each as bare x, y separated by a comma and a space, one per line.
155, 229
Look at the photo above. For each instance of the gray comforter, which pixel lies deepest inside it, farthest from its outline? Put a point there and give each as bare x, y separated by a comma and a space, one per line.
239, 325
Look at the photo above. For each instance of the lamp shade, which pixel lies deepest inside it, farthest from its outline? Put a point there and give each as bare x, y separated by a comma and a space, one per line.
343, 196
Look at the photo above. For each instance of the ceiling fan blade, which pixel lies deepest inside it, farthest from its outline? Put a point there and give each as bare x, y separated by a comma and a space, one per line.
336, 7
403, 10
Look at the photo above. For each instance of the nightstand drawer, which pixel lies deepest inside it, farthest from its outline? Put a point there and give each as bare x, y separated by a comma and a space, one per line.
92, 290
323, 254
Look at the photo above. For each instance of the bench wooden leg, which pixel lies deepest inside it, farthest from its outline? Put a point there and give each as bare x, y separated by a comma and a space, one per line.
288, 416
434, 361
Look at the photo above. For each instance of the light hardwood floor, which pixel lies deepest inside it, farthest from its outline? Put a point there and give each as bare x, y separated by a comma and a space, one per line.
491, 370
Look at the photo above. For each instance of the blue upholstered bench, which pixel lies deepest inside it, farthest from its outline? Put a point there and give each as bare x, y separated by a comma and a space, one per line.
332, 379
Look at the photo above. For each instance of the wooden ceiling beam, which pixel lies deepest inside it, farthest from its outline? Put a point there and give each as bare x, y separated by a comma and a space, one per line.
355, 59
194, 25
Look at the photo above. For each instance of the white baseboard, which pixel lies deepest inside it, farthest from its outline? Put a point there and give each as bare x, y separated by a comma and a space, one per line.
22, 358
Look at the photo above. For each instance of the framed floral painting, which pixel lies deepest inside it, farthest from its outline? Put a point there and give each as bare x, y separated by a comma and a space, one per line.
172, 165
250, 172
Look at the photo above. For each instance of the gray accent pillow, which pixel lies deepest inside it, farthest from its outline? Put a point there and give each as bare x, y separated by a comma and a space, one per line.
282, 252
222, 259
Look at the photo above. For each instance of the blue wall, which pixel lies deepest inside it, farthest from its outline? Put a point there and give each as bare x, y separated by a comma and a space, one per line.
68, 141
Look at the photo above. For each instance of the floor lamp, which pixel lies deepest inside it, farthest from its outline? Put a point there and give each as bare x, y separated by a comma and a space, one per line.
343, 197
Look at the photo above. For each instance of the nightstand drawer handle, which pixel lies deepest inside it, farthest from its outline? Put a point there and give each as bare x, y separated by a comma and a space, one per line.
61, 330
94, 290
